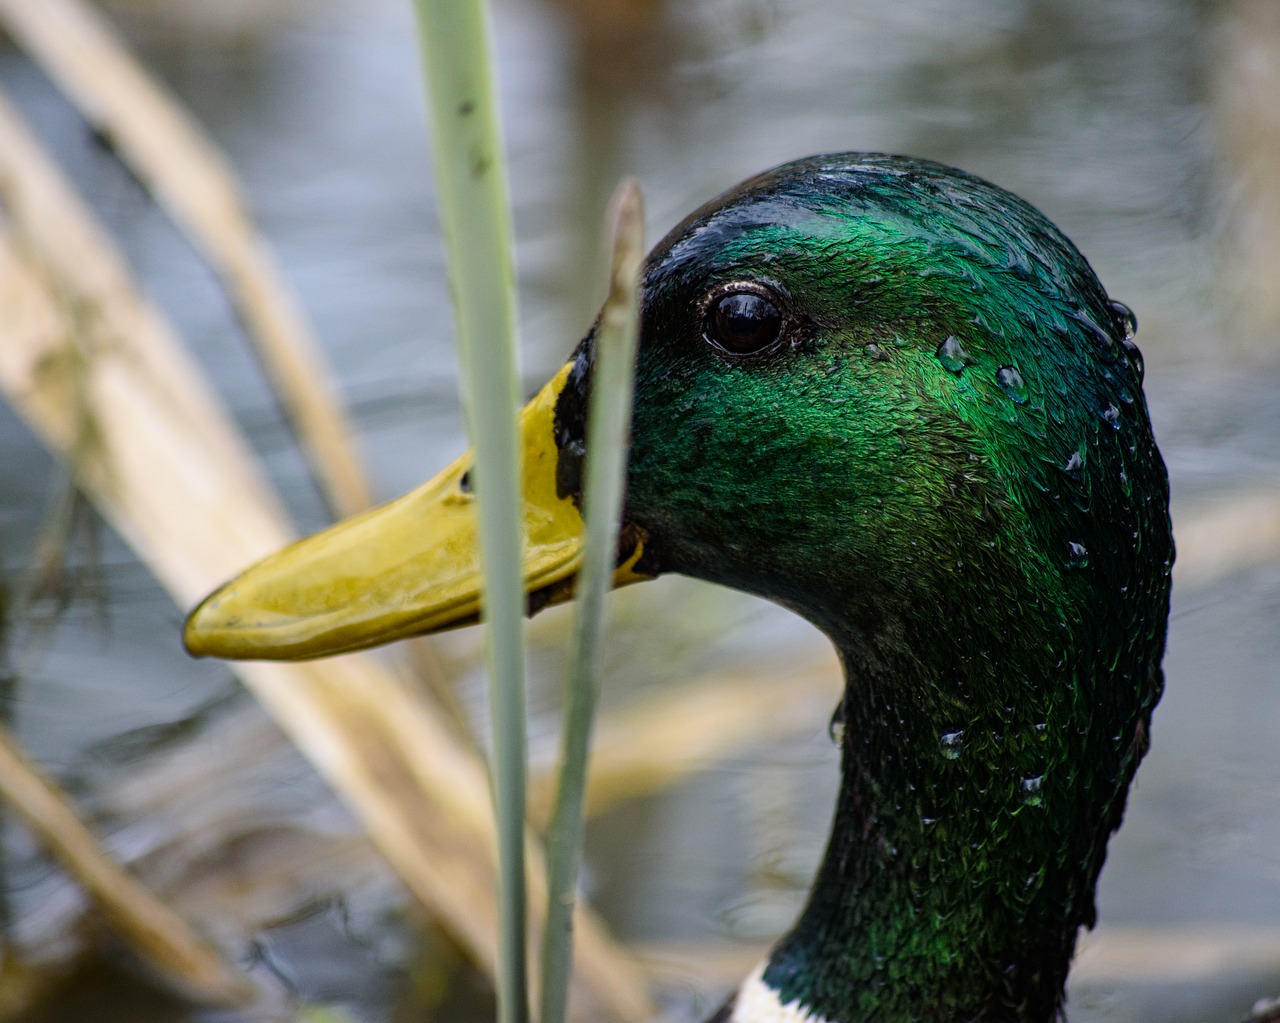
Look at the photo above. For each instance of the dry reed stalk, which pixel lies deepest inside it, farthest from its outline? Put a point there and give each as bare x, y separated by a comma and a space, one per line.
162, 937
1241, 87
1237, 531
189, 177
1175, 954
187, 173
169, 471
656, 743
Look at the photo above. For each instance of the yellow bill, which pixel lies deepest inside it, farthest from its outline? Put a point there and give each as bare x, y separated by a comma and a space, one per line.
407, 568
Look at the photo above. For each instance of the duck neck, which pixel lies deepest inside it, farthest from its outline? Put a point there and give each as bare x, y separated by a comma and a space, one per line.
978, 791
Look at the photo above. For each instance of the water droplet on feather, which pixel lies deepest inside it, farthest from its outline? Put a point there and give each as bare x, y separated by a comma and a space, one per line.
1102, 339
835, 728
1011, 382
1125, 319
953, 356
1128, 324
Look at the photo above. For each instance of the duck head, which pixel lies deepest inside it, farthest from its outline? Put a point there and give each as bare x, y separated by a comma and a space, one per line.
894, 398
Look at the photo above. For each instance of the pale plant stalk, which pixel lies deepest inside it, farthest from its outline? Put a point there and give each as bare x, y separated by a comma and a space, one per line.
608, 421
186, 173
148, 923
475, 213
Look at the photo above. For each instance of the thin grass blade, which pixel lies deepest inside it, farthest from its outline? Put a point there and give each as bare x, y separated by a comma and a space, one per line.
608, 423
475, 213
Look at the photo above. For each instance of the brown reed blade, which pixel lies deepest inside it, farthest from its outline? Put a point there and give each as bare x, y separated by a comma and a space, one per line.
167, 468
188, 175
162, 937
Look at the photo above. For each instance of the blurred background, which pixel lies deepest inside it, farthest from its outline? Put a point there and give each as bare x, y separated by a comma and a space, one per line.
1149, 130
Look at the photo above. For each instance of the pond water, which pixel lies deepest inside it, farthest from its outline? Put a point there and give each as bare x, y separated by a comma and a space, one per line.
1139, 126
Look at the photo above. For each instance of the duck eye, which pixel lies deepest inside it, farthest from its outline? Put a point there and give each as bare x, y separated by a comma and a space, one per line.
743, 322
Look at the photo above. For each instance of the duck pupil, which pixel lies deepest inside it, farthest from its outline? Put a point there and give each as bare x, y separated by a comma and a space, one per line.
744, 322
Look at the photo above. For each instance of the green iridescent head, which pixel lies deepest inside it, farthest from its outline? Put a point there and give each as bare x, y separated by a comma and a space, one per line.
895, 398
935, 369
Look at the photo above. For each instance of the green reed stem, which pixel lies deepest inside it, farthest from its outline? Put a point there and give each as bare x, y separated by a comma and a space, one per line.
608, 421
475, 212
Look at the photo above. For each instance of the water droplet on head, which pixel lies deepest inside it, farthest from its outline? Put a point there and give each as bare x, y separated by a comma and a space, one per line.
1125, 319
1017, 261
1102, 339
1128, 325
877, 353
835, 728
1134, 356
953, 356
1031, 794
1074, 465
1112, 415
1077, 556
951, 743
1011, 382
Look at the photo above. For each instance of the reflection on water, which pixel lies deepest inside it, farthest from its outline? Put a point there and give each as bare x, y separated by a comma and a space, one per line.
1145, 128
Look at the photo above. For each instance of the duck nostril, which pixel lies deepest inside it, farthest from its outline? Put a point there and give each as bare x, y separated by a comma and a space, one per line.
464, 484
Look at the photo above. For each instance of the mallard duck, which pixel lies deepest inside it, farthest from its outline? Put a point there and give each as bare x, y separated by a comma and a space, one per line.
895, 399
